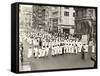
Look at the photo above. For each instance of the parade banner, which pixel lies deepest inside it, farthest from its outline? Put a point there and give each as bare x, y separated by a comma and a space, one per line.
84, 39
71, 31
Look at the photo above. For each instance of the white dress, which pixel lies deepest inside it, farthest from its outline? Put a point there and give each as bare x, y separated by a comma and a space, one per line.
30, 41
72, 48
80, 46
86, 48
40, 52
43, 52
69, 48
60, 49
65, 48
57, 52
93, 49
53, 51
30, 53
47, 51
36, 52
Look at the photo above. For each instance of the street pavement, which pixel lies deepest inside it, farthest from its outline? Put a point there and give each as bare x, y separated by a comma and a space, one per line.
60, 62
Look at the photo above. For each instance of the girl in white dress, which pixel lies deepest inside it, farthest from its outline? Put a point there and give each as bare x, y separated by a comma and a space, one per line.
47, 50
72, 48
39, 52
60, 49
79, 46
36, 51
76, 48
30, 52
85, 48
69, 48
65, 48
52, 51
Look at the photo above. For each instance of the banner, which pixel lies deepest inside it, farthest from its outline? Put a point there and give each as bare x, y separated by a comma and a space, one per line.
84, 39
71, 31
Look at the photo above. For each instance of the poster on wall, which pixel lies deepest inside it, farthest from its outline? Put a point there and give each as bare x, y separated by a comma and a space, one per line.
37, 45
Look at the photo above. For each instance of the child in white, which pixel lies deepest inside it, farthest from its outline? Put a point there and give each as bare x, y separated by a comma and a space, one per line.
53, 50
72, 48
46, 50
76, 48
30, 53
36, 51
79, 46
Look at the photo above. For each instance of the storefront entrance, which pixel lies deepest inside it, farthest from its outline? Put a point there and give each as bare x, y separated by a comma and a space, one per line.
66, 30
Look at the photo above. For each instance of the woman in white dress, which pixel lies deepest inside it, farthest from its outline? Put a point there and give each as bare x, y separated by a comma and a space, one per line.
69, 48
39, 52
30, 52
53, 50
79, 46
36, 51
72, 48
75, 48
65, 48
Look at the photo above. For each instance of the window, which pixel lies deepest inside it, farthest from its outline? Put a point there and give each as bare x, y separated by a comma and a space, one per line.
66, 13
56, 12
90, 12
73, 14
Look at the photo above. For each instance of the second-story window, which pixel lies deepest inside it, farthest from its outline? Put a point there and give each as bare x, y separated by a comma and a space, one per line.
73, 14
66, 13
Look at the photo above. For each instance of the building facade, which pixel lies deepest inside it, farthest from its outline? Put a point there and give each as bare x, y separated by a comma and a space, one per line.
85, 20
25, 16
49, 18
62, 19
67, 19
